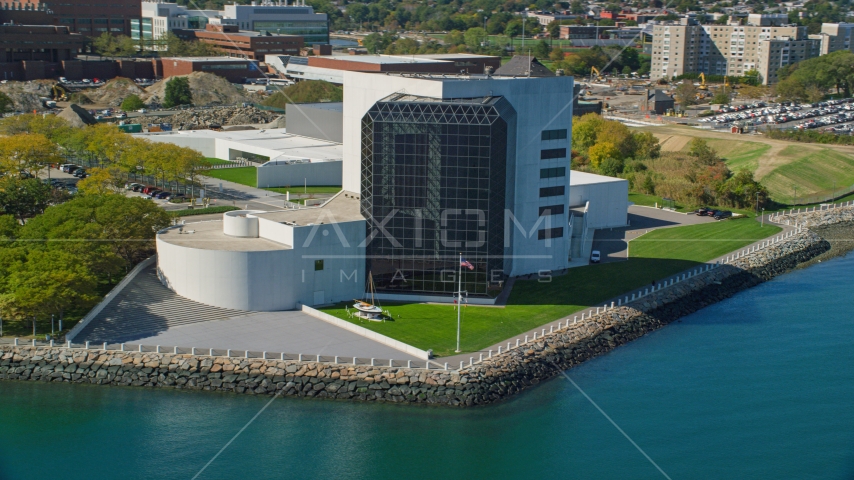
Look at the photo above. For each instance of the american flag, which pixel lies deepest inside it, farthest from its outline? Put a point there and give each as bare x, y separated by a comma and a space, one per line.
466, 263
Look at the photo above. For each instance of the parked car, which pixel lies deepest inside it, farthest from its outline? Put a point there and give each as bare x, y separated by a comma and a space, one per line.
142, 110
133, 186
701, 211
146, 189
80, 173
722, 214
176, 196
153, 192
69, 168
121, 115
162, 195
595, 256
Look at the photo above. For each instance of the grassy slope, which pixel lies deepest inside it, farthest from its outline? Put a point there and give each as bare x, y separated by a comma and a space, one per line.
812, 171
533, 303
810, 167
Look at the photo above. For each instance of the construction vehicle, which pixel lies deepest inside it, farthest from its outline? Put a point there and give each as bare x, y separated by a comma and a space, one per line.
594, 70
59, 93
703, 82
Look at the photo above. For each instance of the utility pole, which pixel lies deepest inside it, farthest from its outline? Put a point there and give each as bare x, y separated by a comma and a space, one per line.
757, 202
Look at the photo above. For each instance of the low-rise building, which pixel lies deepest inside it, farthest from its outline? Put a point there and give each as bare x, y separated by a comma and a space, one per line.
835, 37
331, 68
252, 45
159, 17
29, 52
235, 70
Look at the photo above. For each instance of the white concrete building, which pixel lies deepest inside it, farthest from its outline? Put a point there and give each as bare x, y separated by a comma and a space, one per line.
283, 158
606, 199
268, 261
434, 168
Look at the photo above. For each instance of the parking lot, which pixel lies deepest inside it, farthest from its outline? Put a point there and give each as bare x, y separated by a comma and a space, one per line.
832, 113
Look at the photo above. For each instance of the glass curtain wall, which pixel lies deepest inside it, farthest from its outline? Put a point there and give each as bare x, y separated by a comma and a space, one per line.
435, 184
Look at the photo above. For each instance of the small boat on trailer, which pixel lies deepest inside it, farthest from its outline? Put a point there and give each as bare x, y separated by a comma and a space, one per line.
369, 310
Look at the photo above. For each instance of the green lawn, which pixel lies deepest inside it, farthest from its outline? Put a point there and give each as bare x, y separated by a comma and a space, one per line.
536, 302
242, 175
816, 172
745, 156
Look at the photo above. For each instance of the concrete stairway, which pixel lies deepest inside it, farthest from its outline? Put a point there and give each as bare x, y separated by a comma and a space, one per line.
146, 307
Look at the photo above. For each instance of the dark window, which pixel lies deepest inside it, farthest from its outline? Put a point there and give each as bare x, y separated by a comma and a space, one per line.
551, 210
318, 264
559, 134
548, 233
553, 172
550, 153
551, 191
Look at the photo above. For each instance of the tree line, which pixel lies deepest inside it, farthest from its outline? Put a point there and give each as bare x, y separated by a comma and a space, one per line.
696, 177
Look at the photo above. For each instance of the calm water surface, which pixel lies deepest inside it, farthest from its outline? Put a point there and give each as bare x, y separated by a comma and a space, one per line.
758, 386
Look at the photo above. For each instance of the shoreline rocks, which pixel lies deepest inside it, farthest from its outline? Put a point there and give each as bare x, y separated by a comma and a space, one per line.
493, 380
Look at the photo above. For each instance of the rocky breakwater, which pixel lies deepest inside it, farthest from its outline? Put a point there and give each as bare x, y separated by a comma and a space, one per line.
484, 382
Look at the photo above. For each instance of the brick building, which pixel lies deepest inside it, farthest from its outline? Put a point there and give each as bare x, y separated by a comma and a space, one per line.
235, 70
251, 45
80, 16
35, 51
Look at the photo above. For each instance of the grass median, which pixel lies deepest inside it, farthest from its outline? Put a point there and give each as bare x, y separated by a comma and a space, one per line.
532, 303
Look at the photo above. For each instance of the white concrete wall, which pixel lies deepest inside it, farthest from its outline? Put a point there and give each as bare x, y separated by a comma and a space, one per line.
271, 280
206, 146
315, 174
609, 202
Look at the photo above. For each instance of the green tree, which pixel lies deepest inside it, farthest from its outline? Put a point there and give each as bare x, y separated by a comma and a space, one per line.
513, 29
601, 152
6, 103
48, 284
23, 198
475, 36
455, 37
177, 92
114, 46
378, 42
132, 103
541, 49
699, 148
721, 98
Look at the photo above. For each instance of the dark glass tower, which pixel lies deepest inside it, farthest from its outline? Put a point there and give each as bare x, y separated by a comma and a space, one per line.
437, 175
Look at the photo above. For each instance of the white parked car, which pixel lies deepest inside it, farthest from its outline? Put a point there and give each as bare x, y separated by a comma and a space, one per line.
142, 110
595, 256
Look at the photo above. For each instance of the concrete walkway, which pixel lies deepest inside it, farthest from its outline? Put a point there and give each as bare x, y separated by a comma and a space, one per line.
281, 332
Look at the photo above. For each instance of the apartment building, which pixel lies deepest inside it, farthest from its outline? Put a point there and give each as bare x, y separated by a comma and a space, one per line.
835, 37
729, 49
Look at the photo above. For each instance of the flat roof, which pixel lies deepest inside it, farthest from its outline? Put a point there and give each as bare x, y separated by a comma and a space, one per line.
583, 178
397, 59
272, 139
344, 207
209, 236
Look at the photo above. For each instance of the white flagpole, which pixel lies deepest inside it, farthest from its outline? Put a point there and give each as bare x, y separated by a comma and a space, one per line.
459, 301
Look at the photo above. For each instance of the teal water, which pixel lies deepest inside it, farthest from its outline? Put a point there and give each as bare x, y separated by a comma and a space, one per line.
758, 386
